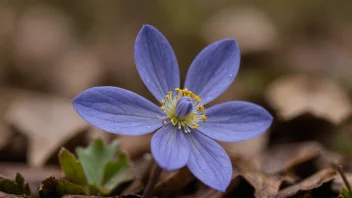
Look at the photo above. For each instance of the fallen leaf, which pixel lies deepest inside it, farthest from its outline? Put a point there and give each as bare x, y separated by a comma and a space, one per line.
281, 158
309, 183
265, 186
295, 95
338, 183
246, 149
252, 27
140, 168
48, 122
171, 182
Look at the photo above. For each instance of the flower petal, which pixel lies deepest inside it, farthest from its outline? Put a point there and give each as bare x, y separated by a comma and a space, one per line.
213, 70
235, 121
170, 147
156, 62
118, 111
209, 162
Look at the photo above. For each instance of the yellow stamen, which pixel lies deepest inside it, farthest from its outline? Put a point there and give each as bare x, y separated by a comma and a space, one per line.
162, 108
201, 108
163, 101
170, 92
177, 89
197, 98
165, 123
204, 118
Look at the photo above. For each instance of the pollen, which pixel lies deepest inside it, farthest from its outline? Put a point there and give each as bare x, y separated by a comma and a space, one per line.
189, 110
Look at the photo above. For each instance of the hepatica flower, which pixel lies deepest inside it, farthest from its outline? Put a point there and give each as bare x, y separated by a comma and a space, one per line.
186, 130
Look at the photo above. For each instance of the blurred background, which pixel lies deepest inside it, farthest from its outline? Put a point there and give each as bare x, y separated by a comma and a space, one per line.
296, 61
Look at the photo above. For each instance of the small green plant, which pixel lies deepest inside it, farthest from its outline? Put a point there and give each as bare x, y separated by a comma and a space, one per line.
346, 193
96, 171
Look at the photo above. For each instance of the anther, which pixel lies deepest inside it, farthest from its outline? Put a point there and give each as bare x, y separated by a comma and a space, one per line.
165, 122
163, 101
204, 118
201, 108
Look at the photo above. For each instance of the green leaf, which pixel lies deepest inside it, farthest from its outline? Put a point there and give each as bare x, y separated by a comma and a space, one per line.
346, 193
94, 158
65, 187
115, 173
72, 167
16, 187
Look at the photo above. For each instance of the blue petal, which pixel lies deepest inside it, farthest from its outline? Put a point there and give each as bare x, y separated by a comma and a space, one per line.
170, 147
235, 121
156, 62
118, 111
209, 162
214, 69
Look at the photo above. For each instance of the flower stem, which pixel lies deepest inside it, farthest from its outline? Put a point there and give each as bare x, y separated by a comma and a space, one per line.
153, 180
348, 186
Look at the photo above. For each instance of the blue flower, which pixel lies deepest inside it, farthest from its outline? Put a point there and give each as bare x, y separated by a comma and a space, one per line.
186, 131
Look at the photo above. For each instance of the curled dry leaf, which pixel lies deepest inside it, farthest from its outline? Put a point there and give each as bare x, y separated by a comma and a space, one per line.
283, 157
264, 186
48, 122
295, 95
310, 183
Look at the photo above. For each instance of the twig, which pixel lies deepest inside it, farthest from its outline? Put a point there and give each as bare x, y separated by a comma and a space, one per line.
339, 168
153, 180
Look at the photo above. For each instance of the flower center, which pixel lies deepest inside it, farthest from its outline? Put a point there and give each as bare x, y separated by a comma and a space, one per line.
182, 109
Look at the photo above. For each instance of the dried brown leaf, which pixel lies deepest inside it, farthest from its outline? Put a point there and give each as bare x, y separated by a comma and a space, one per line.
295, 95
283, 157
48, 122
254, 30
246, 149
171, 182
309, 183
338, 183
